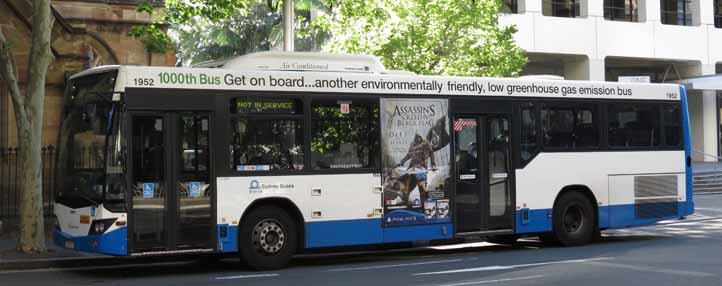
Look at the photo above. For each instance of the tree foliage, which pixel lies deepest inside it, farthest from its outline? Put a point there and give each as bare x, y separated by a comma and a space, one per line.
210, 30
177, 14
449, 37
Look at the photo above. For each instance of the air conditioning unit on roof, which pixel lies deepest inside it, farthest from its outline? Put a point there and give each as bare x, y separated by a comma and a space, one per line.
305, 61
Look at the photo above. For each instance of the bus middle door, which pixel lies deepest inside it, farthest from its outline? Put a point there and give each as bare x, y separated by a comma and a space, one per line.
482, 156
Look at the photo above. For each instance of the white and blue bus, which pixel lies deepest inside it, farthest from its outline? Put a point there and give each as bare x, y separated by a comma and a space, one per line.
271, 153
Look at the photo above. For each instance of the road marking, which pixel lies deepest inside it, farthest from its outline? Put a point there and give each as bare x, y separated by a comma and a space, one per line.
493, 281
651, 269
248, 276
506, 267
394, 265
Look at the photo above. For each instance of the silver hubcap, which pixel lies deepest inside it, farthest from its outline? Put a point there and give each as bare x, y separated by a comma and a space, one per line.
268, 237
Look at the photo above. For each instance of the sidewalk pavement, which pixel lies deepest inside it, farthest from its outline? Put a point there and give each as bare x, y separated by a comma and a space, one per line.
55, 256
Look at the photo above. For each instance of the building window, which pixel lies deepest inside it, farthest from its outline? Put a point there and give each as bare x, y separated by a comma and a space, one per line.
345, 134
561, 8
510, 7
569, 128
621, 10
718, 13
266, 134
634, 125
676, 12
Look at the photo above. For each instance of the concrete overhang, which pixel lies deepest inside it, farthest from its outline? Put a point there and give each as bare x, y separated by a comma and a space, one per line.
708, 82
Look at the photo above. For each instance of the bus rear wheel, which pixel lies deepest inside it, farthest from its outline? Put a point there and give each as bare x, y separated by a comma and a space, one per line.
573, 220
268, 238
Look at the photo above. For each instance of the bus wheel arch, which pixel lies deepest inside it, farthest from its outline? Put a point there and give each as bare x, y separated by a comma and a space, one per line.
575, 201
270, 214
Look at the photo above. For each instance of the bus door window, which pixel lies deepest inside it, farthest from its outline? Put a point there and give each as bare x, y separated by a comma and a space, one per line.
467, 162
498, 160
148, 179
193, 185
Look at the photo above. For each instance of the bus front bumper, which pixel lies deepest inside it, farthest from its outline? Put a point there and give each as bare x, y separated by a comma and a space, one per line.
113, 242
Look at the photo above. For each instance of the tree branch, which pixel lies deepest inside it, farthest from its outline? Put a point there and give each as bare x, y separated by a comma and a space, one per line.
8, 72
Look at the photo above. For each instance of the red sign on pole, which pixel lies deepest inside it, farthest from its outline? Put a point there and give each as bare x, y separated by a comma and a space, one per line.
345, 108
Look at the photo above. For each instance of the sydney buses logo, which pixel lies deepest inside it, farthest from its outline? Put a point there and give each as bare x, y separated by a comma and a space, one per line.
255, 187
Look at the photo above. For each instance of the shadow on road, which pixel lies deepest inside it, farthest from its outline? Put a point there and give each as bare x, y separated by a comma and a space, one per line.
149, 268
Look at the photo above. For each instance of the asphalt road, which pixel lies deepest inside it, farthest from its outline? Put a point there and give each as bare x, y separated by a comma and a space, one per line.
677, 253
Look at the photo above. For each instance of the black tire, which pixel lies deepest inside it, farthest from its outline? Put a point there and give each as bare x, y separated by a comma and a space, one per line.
573, 219
508, 239
268, 238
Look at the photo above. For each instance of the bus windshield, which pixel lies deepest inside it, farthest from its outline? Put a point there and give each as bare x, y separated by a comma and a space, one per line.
89, 123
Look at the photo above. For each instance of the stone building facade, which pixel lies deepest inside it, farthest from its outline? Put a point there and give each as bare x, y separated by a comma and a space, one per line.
86, 33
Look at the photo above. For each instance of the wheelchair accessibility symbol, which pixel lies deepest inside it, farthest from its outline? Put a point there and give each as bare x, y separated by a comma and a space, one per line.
148, 190
194, 189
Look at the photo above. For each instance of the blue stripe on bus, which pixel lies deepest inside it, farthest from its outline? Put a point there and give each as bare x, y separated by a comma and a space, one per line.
419, 232
114, 242
615, 216
687, 137
229, 243
343, 232
350, 232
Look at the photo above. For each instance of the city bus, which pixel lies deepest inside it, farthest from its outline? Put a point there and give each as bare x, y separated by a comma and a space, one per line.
269, 154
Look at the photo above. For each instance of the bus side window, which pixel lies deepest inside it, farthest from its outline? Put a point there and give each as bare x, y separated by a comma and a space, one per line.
266, 134
528, 142
672, 125
569, 127
344, 134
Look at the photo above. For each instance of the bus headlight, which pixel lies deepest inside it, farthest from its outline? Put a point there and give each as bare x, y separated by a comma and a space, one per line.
100, 226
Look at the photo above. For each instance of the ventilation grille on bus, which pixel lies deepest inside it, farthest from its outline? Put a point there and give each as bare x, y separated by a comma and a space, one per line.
655, 196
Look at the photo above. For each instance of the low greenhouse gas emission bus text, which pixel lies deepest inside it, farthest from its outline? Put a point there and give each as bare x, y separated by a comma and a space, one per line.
270, 153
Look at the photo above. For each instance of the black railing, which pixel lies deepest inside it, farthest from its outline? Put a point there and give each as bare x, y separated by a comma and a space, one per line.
11, 182
621, 14
675, 17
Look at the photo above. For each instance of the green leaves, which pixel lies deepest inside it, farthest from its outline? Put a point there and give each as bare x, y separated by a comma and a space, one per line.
449, 37
177, 14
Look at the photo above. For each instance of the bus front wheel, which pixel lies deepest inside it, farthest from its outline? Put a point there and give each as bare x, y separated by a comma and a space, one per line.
573, 219
268, 238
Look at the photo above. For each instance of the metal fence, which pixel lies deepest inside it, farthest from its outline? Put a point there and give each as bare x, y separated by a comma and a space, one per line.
10, 181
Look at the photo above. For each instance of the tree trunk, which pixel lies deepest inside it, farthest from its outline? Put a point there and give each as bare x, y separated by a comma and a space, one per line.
29, 119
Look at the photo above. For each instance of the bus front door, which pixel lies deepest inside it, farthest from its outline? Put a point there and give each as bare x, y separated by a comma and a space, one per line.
483, 192
171, 182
